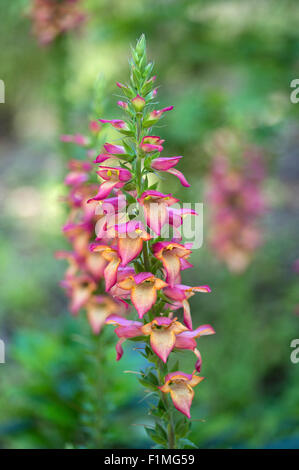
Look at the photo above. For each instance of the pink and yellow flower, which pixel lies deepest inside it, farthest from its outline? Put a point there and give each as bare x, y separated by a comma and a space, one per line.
99, 308
237, 203
167, 164
114, 178
79, 289
116, 123
77, 139
124, 329
114, 149
130, 238
52, 18
151, 143
111, 256
187, 340
155, 206
180, 293
171, 254
180, 386
123, 104
143, 288
152, 117
163, 332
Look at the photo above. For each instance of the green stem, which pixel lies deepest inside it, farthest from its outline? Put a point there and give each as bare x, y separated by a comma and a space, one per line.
138, 157
170, 423
146, 258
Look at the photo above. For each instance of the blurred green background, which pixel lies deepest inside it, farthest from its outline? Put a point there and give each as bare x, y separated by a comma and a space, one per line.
223, 65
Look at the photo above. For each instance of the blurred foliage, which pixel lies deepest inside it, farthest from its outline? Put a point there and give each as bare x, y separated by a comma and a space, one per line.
223, 64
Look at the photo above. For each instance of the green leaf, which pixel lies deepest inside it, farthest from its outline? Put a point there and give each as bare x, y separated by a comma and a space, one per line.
153, 435
148, 384
161, 432
182, 428
184, 443
154, 186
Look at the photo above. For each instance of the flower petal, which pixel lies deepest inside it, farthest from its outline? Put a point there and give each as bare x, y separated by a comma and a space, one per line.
129, 248
110, 272
180, 176
164, 163
202, 330
172, 265
198, 361
187, 314
182, 395
96, 316
104, 190
119, 349
143, 297
162, 342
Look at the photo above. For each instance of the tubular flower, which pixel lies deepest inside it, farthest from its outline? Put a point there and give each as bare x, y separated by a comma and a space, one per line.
187, 340
116, 123
77, 139
143, 288
180, 294
152, 117
114, 178
79, 236
167, 164
99, 308
114, 149
123, 104
171, 255
79, 289
180, 386
163, 332
155, 208
176, 218
237, 204
83, 277
125, 329
52, 18
111, 256
130, 238
151, 143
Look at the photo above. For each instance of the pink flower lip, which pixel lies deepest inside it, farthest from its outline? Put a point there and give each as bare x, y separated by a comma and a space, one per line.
94, 126
79, 165
78, 139
141, 277
164, 163
151, 143
157, 113
130, 226
114, 149
121, 85
117, 123
107, 172
102, 157
153, 194
178, 373
163, 321
75, 178
123, 104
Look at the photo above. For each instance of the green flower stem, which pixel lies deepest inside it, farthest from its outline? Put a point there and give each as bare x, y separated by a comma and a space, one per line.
164, 398
147, 264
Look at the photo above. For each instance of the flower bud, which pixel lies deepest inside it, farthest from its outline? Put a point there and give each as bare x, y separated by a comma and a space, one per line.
138, 102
